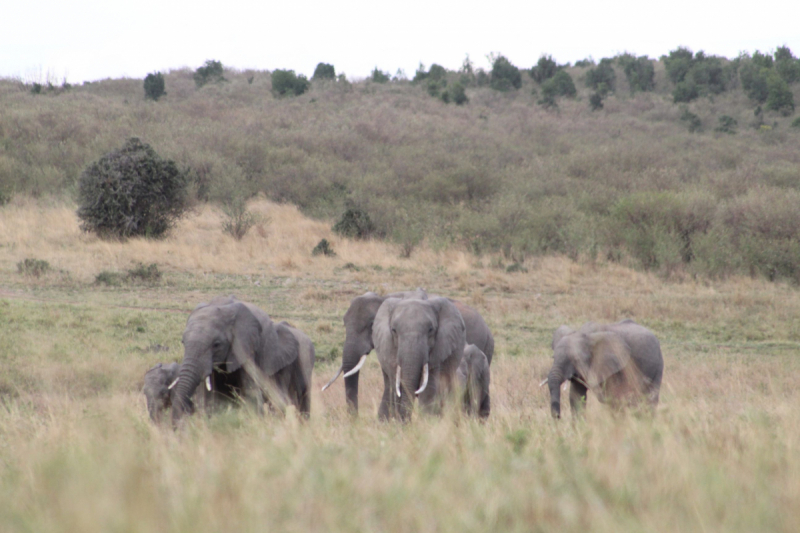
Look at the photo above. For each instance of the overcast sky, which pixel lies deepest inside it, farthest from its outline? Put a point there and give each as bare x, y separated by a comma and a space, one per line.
96, 39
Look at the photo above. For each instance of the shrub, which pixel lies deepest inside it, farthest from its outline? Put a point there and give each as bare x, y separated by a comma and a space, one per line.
602, 78
639, 72
33, 267
780, 97
154, 86
323, 247
354, 224
287, 83
210, 72
458, 93
691, 120
727, 124
505, 76
378, 76
324, 71
545, 69
130, 192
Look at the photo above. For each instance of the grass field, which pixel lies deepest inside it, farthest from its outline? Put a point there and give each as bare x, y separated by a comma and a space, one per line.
78, 452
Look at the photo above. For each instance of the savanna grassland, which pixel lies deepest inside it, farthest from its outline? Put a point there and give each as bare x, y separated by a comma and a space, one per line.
78, 452
536, 216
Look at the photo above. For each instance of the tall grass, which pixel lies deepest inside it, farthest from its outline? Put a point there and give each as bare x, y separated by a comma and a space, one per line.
78, 452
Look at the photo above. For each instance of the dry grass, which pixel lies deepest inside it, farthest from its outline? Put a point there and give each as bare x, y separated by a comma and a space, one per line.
78, 453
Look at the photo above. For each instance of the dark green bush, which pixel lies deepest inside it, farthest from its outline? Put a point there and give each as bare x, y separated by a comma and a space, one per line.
354, 224
33, 267
602, 78
131, 192
324, 71
379, 76
780, 97
727, 124
639, 72
287, 83
154, 86
545, 69
504, 75
323, 247
210, 72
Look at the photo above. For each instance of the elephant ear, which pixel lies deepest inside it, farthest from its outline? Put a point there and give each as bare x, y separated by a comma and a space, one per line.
610, 354
382, 337
451, 335
560, 333
247, 335
283, 353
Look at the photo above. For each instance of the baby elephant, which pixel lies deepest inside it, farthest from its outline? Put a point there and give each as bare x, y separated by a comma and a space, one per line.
621, 363
474, 376
156, 389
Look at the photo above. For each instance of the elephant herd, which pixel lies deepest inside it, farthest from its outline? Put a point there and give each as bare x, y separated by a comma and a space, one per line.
430, 348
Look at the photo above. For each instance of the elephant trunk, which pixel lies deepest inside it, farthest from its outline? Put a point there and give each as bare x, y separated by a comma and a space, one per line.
351, 355
554, 380
189, 378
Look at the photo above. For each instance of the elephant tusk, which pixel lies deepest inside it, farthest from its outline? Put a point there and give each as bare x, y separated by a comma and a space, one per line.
543, 383
208, 383
357, 367
173, 383
397, 381
424, 380
339, 373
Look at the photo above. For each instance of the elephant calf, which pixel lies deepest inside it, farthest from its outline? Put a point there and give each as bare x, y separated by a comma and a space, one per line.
621, 363
474, 376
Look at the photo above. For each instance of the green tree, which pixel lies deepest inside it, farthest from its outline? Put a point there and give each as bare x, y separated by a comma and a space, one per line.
154, 86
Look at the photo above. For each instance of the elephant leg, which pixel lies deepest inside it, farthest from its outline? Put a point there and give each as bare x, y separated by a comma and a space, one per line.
387, 399
577, 397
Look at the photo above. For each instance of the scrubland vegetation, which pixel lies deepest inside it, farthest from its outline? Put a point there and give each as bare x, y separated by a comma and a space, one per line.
648, 193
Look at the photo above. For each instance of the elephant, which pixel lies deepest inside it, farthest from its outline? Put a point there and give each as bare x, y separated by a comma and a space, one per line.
240, 352
420, 344
156, 388
474, 377
358, 321
621, 363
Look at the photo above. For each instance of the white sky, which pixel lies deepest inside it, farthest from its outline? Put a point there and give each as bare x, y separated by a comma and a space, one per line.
96, 39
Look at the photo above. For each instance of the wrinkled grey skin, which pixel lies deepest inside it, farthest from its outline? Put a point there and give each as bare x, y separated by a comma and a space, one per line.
412, 333
358, 322
474, 378
245, 354
621, 363
156, 389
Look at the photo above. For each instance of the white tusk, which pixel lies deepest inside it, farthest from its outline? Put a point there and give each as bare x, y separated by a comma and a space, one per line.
357, 367
208, 383
397, 381
424, 380
543, 383
173, 383
339, 373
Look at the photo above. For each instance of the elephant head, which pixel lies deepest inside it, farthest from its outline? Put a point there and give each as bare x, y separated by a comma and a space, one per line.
610, 360
232, 340
420, 344
156, 388
358, 321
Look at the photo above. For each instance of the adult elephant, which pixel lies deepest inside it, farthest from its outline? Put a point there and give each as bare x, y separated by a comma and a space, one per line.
621, 363
358, 321
420, 344
240, 352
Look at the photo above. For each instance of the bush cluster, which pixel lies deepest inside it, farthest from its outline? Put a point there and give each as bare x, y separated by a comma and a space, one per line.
131, 192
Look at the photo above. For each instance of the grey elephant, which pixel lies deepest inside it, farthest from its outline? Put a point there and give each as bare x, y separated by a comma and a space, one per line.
238, 351
621, 363
156, 388
474, 377
358, 322
419, 345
